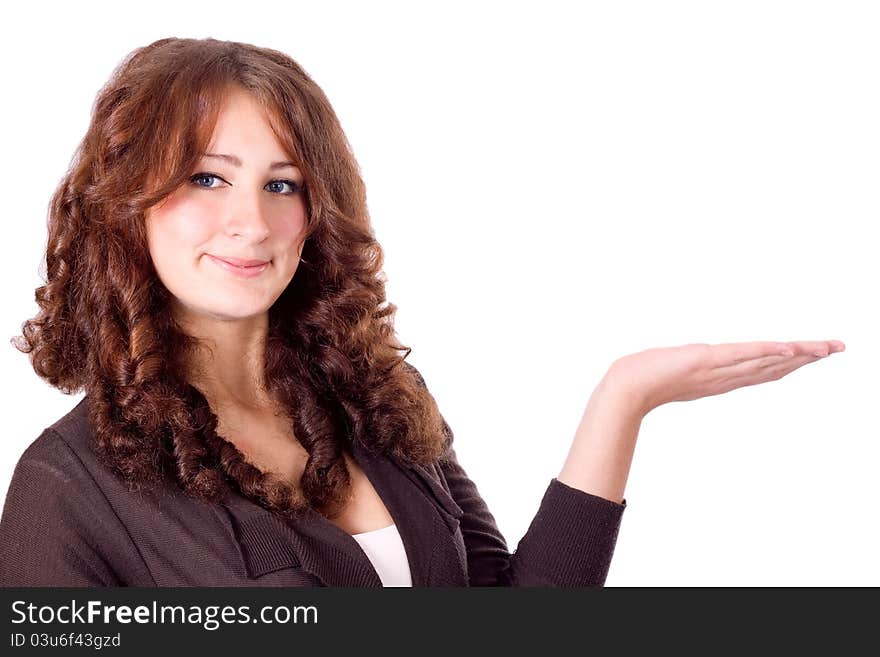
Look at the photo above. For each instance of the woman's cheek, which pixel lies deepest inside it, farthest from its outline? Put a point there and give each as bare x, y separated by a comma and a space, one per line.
195, 223
288, 227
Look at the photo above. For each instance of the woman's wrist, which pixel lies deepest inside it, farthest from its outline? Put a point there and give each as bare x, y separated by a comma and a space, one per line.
602, 450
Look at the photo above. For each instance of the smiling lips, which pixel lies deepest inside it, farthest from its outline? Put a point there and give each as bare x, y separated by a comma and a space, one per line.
238, 262
244, 268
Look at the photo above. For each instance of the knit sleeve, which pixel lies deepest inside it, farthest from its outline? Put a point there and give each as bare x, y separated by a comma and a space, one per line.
569, 543
57, 527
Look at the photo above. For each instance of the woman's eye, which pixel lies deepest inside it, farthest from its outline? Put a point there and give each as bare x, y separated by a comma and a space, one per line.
278, 186
204, 176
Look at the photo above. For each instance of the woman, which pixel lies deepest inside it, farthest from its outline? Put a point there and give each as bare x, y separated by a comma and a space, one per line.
215, 288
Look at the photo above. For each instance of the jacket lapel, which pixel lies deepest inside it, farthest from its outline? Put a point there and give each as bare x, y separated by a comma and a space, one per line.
425, 514
426, 517
268, 543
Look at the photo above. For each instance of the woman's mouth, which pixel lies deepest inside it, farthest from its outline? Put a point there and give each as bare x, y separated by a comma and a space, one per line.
248, 268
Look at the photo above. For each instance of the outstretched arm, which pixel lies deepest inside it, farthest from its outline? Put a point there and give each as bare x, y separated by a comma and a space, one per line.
601, 454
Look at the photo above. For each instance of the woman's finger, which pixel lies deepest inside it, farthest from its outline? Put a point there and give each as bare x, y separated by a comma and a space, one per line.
734, 354
817, 347
725, 355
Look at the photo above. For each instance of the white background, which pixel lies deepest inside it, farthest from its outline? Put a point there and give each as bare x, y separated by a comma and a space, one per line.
556, 187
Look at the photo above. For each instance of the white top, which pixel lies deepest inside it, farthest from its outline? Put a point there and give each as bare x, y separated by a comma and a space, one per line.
385, 549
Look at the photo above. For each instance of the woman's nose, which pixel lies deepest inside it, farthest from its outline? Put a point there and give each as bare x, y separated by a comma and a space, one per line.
248, 219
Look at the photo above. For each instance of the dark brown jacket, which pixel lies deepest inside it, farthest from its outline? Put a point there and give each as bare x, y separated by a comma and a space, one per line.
68, 521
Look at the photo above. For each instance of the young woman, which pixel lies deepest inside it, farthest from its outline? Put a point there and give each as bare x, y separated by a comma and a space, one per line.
215, 289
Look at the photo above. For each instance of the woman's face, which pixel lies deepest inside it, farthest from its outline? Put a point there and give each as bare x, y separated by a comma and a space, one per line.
244, 209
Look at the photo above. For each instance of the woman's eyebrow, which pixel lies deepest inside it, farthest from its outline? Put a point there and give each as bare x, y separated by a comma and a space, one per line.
236, 161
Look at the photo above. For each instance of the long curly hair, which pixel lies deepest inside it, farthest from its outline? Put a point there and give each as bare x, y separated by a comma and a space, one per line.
105, 324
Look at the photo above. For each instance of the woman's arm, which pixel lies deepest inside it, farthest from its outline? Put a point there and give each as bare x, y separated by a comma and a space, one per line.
600, 456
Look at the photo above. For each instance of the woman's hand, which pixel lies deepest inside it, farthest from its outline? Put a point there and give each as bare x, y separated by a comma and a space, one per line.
601, 454
659, 376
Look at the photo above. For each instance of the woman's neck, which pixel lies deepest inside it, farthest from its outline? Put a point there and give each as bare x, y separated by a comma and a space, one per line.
228, 366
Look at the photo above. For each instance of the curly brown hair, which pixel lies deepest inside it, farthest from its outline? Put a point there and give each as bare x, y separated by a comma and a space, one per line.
105, 324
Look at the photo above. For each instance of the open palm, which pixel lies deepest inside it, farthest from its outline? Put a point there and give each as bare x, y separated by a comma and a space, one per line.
666, 374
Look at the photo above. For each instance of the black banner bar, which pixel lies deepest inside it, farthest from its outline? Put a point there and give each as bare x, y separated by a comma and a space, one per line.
235, 621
